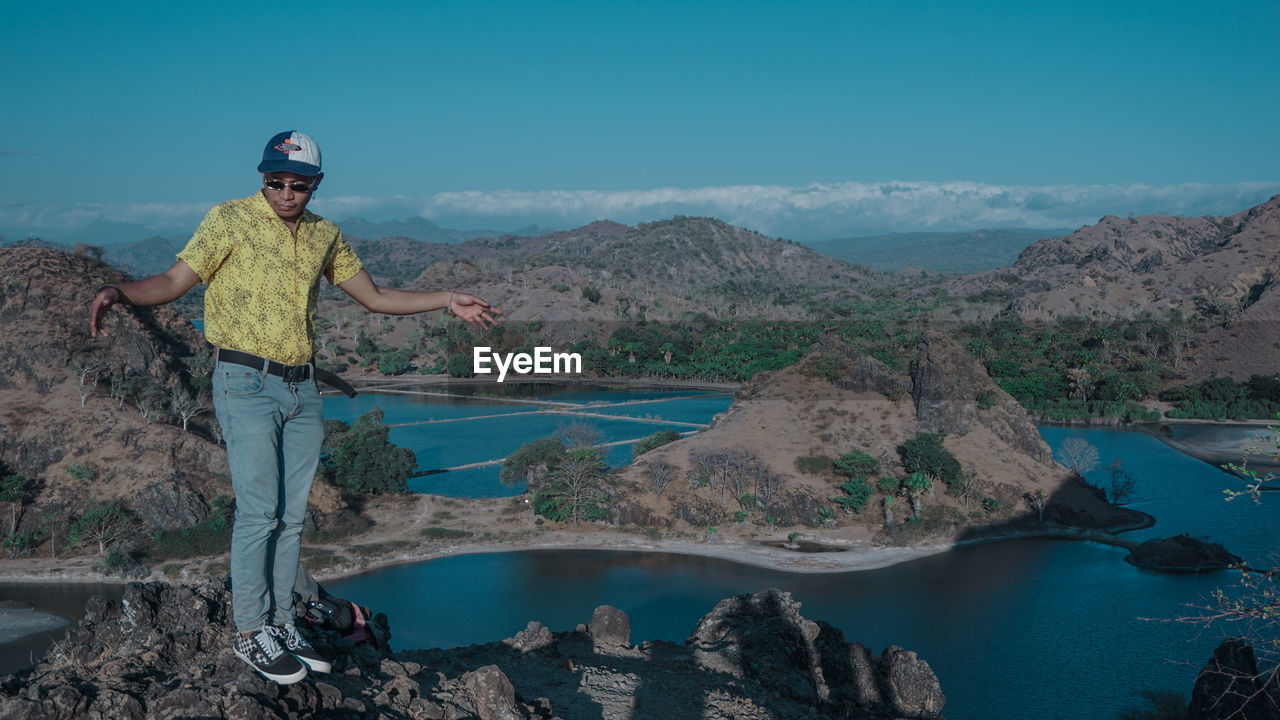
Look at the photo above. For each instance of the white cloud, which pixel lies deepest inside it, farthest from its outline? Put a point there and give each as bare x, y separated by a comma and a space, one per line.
844, 209
810, 212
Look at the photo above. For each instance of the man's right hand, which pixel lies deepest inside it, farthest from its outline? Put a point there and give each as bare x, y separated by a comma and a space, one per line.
102, 302
155, 290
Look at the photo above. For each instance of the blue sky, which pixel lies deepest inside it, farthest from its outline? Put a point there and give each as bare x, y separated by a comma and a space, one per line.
801, 119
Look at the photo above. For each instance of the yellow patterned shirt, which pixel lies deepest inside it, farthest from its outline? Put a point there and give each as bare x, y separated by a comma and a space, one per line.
262, 281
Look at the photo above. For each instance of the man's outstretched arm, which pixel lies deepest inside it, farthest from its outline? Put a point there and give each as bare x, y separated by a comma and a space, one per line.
155, 290
390, 301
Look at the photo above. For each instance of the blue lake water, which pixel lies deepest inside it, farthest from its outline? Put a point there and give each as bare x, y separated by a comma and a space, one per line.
466, 428
1030, 628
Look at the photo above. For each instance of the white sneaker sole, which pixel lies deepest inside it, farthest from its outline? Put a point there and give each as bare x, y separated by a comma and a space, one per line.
316, 665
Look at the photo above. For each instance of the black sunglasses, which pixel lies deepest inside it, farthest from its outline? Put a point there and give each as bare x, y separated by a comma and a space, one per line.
278, 185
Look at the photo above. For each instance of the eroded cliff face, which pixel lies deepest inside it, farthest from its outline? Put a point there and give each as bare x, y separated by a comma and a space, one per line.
953, 394
164, 652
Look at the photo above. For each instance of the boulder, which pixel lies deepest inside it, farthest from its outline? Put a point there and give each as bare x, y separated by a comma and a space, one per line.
610, 627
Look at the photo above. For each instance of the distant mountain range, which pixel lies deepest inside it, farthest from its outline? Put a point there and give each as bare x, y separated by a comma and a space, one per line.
944, 252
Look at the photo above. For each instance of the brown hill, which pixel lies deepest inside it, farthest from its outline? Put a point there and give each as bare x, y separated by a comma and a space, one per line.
669, 270
781, 417
1219, 270
47, 426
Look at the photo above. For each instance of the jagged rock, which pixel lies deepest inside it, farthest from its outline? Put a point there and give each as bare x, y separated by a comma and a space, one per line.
170, 504
946, 384
1229, 687
534, 637
764, 637
485, 693
164, 651
911, 688
610, 627
865, 685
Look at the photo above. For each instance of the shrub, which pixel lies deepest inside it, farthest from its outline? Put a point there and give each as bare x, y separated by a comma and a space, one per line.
395, 362
118, 562
211, 537
359, 459
829, 367
19, 544
858, 464
532, 461
991, 505
741, 516
443, 533
590, 294
814, 464
889, 485
460, 365
560, 287
856, 493
82, 471
925, 453
655, 440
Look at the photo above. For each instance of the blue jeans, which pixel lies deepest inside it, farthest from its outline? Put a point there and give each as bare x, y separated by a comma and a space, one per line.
273, 432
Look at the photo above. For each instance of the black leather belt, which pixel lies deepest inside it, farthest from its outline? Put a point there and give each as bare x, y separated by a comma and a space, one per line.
288, 373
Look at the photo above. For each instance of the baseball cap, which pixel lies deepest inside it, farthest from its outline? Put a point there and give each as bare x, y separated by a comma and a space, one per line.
292, 152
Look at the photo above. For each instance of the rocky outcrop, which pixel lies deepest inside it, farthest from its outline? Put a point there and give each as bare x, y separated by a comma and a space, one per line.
1229, 686
1182, 553
950, 389
164, 651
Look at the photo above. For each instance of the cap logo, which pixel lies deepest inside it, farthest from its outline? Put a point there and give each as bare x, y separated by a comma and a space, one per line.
288, 147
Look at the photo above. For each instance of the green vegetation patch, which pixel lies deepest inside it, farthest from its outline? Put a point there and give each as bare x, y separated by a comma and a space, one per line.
436, 532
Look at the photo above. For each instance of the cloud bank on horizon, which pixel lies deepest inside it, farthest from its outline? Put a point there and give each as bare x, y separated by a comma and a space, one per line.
808, 213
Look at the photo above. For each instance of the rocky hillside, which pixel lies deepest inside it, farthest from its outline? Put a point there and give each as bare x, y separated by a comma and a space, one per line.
77, 441
837, 401
164, 652
942, 252
1221, 269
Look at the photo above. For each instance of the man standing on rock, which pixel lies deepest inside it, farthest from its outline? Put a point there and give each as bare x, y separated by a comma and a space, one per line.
262, 258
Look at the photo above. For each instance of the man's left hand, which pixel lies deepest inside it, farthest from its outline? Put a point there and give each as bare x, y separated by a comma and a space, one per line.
478, 313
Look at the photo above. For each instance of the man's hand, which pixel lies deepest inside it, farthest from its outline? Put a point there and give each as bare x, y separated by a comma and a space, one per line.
155, 290
475, 311
102, 302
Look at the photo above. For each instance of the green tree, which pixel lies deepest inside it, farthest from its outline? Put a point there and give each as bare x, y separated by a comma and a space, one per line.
856, 493
361, 460
16, 490
460, 365
915, 486
858, 464
655, 440
577, 490
532, 462
102, 523
395, 362
926, 454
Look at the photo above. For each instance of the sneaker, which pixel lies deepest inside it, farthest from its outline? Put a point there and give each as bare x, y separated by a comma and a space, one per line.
297, 646
265, 655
